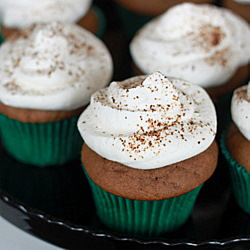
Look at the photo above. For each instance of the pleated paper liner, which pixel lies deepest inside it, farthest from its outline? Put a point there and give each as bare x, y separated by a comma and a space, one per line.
240, 179
41, 144
142, 218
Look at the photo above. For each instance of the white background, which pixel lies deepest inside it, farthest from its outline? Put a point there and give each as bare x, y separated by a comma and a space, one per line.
13, 238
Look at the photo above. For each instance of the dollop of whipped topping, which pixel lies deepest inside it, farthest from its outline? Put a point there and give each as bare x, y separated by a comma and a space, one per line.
240, 109
53, 66
23, 13
148, 122
203, 44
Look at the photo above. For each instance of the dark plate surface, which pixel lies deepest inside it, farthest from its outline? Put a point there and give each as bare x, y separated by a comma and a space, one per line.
55, 204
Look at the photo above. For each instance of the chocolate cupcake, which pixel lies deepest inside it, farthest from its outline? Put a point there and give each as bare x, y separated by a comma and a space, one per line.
48, 73
135, 13
20, 14
202, 44
154, 8
240, 7
149, 147
235, 144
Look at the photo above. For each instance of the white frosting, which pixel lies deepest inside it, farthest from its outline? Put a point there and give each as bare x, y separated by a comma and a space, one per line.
202, 44
149, 122
23, 13
53, 67
240, 109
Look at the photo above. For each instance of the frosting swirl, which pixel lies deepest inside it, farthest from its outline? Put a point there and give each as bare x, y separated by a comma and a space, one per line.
148, 122
202, 44
53, 67
23, 13
240, 109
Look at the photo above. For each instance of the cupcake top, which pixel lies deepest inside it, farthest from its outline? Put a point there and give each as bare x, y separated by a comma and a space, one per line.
240, 109
23, 13
203, 44
148, 122
53, 67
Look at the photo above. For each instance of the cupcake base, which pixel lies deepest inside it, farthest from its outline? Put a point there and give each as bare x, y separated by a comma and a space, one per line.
146, 202
137, 217
40, 137
154, 8
94, 21
41, 144
154, 184
135, 13
241, 152
240, 9
240, 178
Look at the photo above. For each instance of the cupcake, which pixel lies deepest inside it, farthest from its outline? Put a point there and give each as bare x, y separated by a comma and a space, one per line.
20, 14
240, 7
48, 73
135, 13
202, 44
149, 147
153, 8
235, 144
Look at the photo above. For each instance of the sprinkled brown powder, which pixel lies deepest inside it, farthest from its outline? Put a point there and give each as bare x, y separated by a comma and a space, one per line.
219, 57
241, 93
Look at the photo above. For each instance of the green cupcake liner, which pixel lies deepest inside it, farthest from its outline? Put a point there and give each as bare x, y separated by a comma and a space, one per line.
41, 144
138, 217
240, 178
101, 21
131, 21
